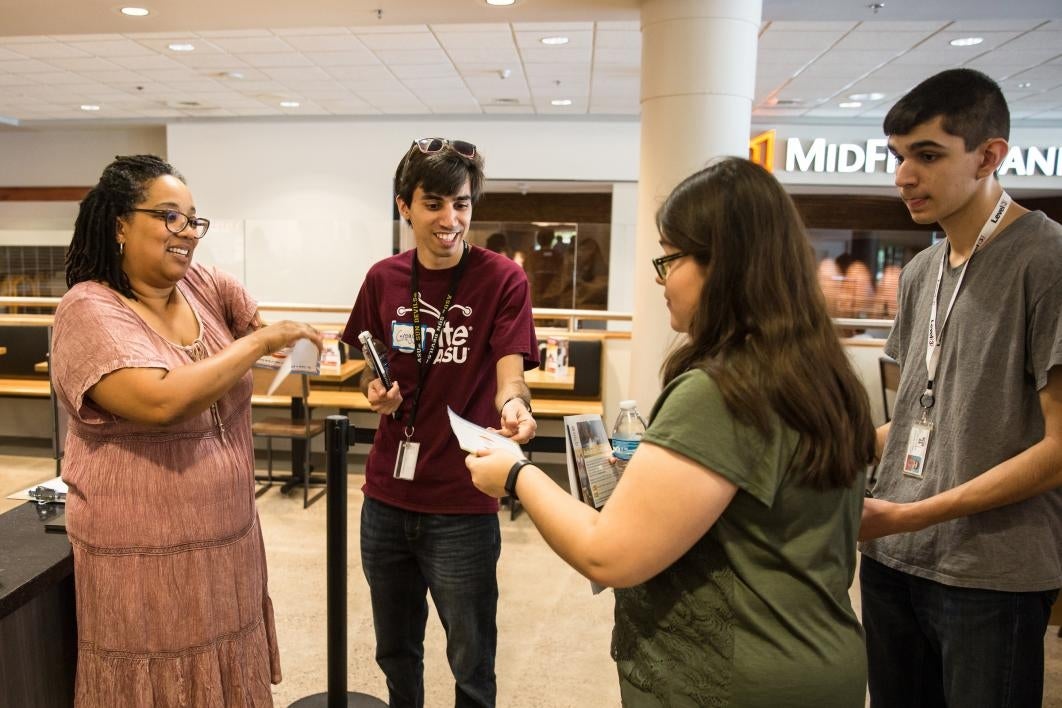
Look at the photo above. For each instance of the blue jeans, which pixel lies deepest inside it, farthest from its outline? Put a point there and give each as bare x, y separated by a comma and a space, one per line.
404, 555
930, 644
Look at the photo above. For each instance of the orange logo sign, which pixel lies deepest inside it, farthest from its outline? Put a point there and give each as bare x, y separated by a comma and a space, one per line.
761, 150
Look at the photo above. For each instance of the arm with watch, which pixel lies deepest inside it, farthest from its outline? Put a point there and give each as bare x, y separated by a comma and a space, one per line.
513, 400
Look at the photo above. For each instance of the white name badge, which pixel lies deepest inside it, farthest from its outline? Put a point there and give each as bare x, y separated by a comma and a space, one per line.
406, 461
914, 465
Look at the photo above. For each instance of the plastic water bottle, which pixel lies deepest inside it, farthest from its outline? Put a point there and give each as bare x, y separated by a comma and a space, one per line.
627, 432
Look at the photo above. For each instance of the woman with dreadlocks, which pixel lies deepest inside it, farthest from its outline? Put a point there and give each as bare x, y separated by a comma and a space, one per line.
151, 360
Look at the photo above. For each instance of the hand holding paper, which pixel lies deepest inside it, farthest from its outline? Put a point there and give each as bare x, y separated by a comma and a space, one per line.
303, 358
472, 437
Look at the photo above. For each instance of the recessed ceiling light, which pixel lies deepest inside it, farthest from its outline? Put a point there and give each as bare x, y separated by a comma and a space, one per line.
289, 104
1025, 84
561, 102
873, 96
554, 41
135, 11
850, 104
231, 75
500, 3
182, 47
90, 107
966, 41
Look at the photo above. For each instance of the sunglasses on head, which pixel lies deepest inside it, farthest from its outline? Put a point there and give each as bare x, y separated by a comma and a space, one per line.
430, 145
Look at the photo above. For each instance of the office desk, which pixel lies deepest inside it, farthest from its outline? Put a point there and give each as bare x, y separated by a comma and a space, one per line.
38, 630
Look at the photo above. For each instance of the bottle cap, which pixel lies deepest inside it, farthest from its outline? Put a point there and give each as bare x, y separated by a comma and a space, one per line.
628, 404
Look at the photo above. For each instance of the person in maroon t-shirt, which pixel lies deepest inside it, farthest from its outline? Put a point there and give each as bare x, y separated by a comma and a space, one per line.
456, 322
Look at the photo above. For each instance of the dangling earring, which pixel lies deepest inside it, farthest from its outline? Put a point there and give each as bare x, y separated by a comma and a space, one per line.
121, 248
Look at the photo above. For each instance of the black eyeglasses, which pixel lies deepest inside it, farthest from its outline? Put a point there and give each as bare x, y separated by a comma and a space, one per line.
663, 263
430, 145
176, 222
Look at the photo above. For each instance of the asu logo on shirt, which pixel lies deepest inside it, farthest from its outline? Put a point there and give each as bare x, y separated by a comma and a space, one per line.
453, 340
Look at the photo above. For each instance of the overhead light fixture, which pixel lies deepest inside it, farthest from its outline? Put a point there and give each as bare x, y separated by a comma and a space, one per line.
1025, 84
135, 11
232, 75
966, 41
289, 104
90, 107
501, 3
182, 47
850, 104
554, 41
561, 102
872, 96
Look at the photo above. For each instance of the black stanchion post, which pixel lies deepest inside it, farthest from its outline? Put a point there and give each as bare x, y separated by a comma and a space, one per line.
338, 438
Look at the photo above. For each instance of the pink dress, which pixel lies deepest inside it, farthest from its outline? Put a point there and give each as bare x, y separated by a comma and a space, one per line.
169, 566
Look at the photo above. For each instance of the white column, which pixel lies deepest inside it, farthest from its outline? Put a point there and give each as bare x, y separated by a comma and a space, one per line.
698, 79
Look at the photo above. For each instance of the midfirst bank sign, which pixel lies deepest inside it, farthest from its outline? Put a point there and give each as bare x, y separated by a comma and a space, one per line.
873, 156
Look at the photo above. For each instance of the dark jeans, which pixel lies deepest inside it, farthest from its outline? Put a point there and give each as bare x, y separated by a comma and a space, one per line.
404, 555
932, 645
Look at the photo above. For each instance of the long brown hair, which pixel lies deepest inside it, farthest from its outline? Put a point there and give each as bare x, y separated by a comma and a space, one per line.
761, 329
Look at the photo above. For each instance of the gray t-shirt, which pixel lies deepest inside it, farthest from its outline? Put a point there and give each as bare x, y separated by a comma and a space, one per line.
1001, 339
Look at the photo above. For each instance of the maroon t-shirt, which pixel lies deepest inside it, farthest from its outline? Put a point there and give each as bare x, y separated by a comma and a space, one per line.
490, 317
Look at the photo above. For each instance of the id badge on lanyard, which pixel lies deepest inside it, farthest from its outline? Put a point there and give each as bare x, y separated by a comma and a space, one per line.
918, 442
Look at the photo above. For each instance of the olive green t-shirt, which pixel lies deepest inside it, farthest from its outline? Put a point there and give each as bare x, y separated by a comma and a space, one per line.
756, 613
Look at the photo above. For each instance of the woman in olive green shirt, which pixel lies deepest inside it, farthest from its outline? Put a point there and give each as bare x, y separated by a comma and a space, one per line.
731, 536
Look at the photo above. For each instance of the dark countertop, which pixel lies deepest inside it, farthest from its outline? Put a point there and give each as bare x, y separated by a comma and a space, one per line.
31, 559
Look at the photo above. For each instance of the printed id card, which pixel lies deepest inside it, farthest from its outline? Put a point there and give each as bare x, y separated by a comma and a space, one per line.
914, 464
406, 461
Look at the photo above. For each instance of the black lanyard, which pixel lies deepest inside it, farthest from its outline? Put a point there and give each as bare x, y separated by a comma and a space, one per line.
425, 360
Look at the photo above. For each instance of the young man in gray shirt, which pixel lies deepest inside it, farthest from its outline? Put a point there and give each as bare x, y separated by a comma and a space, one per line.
966, 518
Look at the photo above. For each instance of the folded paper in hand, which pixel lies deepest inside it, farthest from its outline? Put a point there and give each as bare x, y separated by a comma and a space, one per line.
302, 358
472, 437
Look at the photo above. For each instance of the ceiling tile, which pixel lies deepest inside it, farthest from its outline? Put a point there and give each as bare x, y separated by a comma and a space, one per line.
84, 64
253, 45
148, 61
113, 76
424, 71
371, 85
358, 58
605, 39
484, 27
437, 83
362, 73
557, 55
234, 33
400, 41
500, 57
25, 66
263, 61
798, 40
533, 40
327, 43
500, 110
862, 39
552, 26
420, 56
48, 50
216, 62
476, 40
618, 57
297, 74
290, 32
390, 29
112, 48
